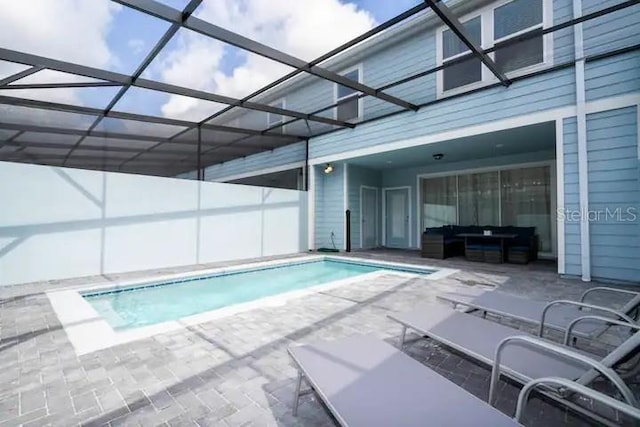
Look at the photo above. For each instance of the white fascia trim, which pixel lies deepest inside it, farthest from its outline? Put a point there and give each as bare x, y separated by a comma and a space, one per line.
560, 194
514, 122
266, 171
613, 103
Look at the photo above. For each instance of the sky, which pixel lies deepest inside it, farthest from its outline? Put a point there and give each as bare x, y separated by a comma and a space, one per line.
106, 35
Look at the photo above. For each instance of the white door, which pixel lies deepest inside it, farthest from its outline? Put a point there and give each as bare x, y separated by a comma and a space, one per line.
397, 218
369, 218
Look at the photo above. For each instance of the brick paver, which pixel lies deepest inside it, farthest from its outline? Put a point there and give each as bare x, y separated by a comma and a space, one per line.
235, 371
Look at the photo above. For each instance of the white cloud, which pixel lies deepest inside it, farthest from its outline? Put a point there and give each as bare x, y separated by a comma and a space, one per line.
69, 30
136, 45
305, 29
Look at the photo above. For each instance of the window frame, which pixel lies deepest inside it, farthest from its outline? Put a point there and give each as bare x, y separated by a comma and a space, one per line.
358, 67
278, 103
486, 15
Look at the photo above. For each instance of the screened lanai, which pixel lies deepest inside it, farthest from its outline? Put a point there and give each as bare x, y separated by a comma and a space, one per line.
156, 110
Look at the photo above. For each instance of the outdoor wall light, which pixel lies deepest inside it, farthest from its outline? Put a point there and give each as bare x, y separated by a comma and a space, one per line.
328, 168
438, 156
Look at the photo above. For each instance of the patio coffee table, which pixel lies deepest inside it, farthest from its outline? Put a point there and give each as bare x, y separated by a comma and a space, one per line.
502, 238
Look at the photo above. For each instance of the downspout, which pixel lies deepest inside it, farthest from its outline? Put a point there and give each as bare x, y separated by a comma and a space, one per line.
583, 162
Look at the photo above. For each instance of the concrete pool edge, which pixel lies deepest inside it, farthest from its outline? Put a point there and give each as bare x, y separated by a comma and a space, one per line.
88, 331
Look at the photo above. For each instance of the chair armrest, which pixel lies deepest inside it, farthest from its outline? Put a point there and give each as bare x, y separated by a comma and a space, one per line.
523, 397
607, 320
606, 289
583, 305
562, 351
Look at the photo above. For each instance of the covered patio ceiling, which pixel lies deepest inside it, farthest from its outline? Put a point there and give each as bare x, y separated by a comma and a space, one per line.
127, 116
508, 142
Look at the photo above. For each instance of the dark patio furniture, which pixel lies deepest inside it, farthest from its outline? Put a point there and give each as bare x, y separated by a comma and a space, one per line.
447, 241
492, 246
441, 243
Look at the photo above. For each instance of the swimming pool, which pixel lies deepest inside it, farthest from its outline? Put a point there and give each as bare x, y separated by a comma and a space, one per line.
153, 303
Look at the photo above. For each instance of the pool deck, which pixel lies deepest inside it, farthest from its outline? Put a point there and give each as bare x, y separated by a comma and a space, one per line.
235, 371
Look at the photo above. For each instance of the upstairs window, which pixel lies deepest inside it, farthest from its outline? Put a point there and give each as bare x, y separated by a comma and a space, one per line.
276, 119
351, 108
465, 72
513, 19
493, 27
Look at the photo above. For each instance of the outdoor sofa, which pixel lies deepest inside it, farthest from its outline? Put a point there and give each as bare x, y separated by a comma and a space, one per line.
443, 242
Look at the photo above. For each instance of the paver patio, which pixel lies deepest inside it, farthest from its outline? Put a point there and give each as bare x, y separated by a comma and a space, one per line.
235, 371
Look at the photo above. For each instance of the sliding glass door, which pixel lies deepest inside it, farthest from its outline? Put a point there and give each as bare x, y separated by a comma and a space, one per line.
440, 201
526, 201
479, 199
519, 197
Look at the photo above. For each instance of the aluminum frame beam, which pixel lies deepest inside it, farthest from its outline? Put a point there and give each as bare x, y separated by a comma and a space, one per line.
21, 128
59, 85
385, 25
20, 75
205, 28
451, 21
112, 76
166, 37
47, 105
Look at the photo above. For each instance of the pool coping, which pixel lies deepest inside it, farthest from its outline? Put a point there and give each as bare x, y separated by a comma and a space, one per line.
88, 331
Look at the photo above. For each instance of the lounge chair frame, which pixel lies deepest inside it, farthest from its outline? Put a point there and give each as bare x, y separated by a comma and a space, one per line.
597, 368
523, 397
565, 352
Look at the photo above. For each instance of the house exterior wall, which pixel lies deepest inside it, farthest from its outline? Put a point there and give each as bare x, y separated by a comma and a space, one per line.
256, 164
329, 207
614, 194
611, 85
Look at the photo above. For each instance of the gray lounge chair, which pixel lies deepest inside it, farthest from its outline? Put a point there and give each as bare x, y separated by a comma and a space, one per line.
554, 315
520, 356
367, 382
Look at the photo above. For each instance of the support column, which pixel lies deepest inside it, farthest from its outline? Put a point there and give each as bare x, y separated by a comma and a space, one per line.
311, 208
560, 217
583, 175
345, 202
199, 162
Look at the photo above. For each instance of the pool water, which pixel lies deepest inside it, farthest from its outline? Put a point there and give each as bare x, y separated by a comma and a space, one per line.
147, 305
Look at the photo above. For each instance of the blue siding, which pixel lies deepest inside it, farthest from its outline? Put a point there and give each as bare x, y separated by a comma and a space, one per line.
613, 31
536, 94
397, 61
573, 264
268, 159
357, 177
329, 209
563, 41
614, 194
408, 176
618, 75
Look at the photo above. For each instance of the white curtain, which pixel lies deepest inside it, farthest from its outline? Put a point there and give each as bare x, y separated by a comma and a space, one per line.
439, 200
526, 201
479, 199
